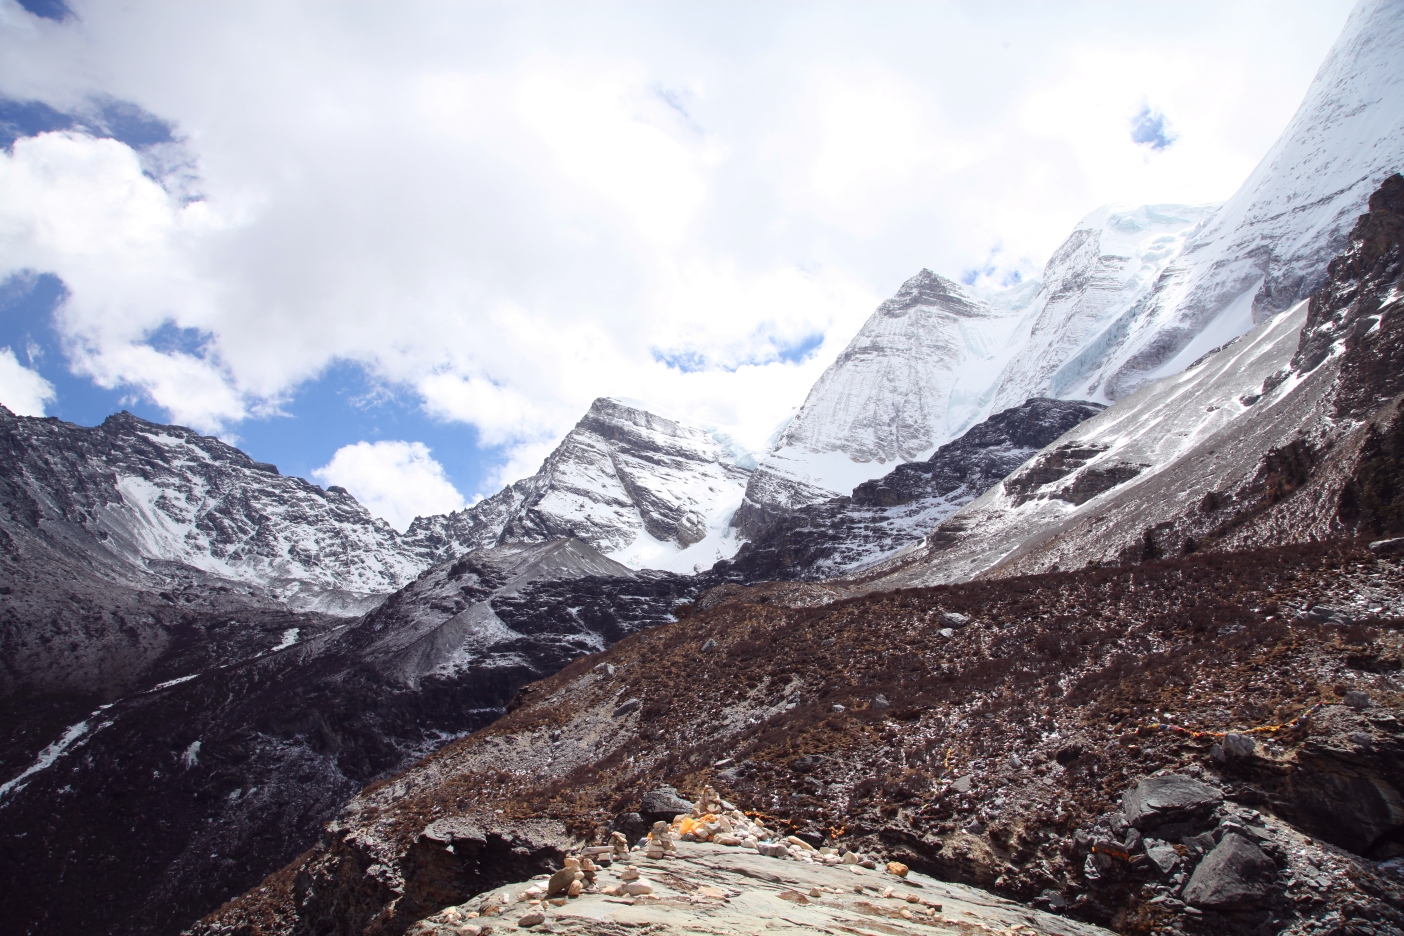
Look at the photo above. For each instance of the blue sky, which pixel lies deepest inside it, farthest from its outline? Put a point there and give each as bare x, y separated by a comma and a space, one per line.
402, 250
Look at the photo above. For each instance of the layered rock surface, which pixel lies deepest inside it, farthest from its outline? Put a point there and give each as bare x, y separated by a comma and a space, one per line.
708, 888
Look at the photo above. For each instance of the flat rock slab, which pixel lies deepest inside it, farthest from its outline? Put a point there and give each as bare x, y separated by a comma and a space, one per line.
712, 889
1169, 798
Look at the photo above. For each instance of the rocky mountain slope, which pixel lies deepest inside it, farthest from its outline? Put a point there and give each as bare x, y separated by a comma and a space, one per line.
161, 802
1273, 439
129, 498
649, 491
994, 733
896, 511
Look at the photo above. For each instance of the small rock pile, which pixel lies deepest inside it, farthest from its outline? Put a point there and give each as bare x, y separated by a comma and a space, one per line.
713, 819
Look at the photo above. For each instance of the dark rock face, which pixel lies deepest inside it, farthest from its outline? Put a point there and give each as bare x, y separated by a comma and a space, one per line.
899, 509
982, 454
1358, 304
663, 805
1233, 876
1169, 799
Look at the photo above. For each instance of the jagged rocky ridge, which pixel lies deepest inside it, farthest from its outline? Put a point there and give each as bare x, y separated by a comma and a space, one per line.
161, 802
995, 752
890, 513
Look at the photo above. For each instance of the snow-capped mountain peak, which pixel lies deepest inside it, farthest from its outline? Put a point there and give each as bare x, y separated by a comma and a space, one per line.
917, 374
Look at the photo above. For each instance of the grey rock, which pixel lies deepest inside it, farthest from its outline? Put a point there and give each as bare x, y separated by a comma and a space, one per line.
605, 669
880, 702
1201, 843
663, 805
1326, 614
1169, 798
560, 882
1234, 875
627, 706
1239, 745
962, 784
947, 632
1357, 700
1163, 857
709, 645
953, 619
631, 825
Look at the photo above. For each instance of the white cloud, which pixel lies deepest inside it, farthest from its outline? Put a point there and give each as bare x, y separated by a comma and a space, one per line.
397, 481
23, 391
513, 213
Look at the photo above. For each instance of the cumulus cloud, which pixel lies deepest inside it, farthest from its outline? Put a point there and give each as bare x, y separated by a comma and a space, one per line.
22, 390
397, 481
505, 214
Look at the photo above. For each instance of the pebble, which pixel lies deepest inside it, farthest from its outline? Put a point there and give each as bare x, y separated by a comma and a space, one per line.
534, 918
897, 868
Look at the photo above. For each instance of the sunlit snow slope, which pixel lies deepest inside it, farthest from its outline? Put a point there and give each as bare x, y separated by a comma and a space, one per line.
1140, 295
918, 373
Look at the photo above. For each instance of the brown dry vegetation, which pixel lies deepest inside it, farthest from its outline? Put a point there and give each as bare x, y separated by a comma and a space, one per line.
1049, 701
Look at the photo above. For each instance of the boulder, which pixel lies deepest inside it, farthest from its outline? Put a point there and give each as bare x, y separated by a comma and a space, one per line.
1169, 799
1357, 700
663, 805
560, 881
633, 826
1326, 614
1239, 745
952, 619
1163, 856
1234, 876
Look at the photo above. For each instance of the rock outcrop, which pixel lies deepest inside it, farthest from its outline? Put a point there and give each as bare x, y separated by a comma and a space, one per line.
896, 511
